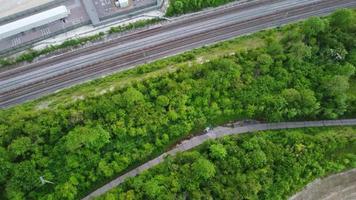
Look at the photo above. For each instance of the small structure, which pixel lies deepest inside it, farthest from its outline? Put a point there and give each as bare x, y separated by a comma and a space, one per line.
33, 21
121, 3
207, 129
44, 181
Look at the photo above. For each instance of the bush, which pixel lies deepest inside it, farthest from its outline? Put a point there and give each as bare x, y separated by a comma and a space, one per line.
135, 25
178, 7
267, 165
297, 78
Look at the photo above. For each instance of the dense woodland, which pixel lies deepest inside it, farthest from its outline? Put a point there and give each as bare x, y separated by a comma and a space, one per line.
303, 72
266, 165
178, 7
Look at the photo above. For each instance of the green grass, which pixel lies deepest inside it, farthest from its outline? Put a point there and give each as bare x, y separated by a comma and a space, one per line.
31, 54
143, 72
179, 7
281, 75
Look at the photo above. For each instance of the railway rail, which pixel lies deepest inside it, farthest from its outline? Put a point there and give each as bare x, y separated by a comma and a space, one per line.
173, 46
129, 37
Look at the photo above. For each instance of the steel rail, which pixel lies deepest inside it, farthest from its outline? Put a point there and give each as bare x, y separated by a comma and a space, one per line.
132, 58
7, 73
10, 83
106, 54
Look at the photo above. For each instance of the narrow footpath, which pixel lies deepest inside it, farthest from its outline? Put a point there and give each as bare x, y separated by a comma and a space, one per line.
217, 132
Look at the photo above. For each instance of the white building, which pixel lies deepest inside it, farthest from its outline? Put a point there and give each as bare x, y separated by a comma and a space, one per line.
33, 21
122, 3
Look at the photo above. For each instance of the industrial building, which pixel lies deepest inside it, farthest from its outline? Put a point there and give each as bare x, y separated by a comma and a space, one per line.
122, 3
12, 9
33, 21
25, 22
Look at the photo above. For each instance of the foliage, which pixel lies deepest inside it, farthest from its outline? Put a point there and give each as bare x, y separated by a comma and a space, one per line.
266, 165
134, 25
217, 151
31, 54
178, 7
80, 145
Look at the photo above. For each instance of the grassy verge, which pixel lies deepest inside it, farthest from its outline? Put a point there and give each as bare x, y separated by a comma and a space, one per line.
292, 73
147, 71
179, 7
31, 54
264, 165
174, 9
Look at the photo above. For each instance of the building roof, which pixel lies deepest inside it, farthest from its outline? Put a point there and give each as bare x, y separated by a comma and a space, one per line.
13, 7
123, 3
33, 21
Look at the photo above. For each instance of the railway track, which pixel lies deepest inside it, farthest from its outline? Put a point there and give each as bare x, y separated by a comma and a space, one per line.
10, 83
5, 74
45, 71
174, 46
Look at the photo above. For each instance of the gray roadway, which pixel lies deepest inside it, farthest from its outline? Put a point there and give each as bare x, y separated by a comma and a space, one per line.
217, 132
42, 74
341, 186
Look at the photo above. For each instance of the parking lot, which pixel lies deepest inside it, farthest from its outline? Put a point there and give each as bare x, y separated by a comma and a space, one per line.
107, 8
78, 16
12, 7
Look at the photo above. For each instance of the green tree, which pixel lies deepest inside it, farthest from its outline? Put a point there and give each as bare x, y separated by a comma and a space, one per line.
87, 137
131, 97
314, 26
66, 191
24, 178
343, 19
346, 70
105, 169
162, 101
5, 167
154, 188
20, 146
203, 169
218, 151
178, 7
336, 85
352, 57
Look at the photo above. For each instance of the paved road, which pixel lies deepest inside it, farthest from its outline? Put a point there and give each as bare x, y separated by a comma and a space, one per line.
217, 132
25, 84
341, 186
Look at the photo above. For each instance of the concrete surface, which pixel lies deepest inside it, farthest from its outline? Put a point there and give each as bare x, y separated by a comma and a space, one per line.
50, 71
77, 17
89, 30
28, 81
106, 8
11, 7
340, 186
96, 12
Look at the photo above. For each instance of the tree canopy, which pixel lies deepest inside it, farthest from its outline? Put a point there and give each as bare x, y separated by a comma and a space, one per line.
294, 75
265, 165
